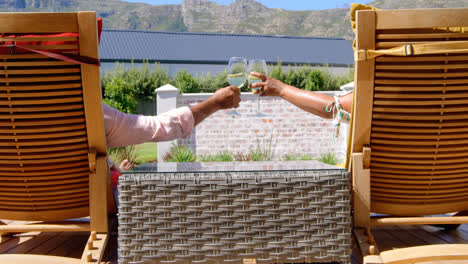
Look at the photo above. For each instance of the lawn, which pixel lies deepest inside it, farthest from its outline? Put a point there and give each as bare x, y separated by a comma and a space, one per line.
146, 152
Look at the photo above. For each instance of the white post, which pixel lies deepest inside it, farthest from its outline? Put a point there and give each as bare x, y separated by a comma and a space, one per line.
347, 87
166, 100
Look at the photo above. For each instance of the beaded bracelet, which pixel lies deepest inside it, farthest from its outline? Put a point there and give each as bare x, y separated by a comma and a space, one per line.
338, 114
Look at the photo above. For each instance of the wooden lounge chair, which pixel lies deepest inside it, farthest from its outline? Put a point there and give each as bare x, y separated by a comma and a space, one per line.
410, 126
53, 164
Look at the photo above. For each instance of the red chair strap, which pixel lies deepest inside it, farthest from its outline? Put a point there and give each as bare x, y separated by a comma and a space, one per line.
59, 56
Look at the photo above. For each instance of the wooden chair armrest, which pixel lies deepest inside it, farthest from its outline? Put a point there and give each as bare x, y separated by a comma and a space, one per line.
423, 253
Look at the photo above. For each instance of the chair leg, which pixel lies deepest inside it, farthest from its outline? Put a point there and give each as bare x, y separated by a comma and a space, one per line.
94, 249
366, 242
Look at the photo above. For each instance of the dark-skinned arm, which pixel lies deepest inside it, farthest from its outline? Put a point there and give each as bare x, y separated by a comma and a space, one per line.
309, 101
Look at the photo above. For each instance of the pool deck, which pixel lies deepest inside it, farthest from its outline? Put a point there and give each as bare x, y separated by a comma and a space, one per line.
71, 244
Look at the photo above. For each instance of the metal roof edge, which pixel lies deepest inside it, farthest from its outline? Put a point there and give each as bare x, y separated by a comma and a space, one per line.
223, 62
218, 34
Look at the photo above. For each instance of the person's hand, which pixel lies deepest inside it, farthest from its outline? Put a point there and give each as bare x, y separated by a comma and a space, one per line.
227, 97
270, 86
125, 165
224, 98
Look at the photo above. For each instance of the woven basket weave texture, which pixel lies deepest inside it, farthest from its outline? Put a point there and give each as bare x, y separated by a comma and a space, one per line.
235, 217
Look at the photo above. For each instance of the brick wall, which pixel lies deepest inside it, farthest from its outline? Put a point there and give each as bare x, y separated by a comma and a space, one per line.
288, 129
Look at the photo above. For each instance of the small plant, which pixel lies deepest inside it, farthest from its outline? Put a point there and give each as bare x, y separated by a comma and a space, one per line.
180, 154
329, 158
257, 155
206, 158
224, 156
290, 156
295, 156
117, 155
263, 150
242, 157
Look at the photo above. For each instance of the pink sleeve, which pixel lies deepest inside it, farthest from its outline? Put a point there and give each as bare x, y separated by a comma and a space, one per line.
126, 129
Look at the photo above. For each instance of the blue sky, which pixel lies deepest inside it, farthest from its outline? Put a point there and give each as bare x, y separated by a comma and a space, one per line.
285, 4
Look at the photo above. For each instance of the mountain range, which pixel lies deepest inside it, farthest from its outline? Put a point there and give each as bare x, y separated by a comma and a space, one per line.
240, 17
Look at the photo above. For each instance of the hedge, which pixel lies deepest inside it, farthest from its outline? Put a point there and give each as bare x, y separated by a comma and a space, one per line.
124, 87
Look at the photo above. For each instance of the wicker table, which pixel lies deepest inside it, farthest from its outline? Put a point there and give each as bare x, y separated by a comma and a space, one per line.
257, 216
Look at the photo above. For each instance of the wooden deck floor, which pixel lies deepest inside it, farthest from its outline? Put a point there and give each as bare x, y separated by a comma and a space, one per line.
72, 244
392, 237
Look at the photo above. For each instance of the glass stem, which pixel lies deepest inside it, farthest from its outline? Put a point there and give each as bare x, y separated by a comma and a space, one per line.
258, 103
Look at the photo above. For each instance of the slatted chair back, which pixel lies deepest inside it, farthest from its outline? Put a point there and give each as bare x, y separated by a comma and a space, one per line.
51, 122
411, 111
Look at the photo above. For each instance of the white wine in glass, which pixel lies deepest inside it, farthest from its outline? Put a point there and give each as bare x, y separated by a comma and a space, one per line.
237, 75
257, 65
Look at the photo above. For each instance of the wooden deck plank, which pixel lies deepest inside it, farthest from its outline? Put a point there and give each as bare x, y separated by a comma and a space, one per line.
385, 240
64, 244
49, 245
27, 246
390, 237
464, 227
68, 244
16, 240
67, 247
448, 236
80, 241
462, 232
409, 236
428, 236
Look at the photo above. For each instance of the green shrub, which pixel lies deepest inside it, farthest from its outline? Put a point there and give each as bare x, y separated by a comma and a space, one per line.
180, 154
257, 155
186, 83
124, 87
312, 81
334, 82
117, 155
295, 156
277, 72
305, 77
145, 82
118, 94
209, 83
311, 78
220, 80
329, 158
224, 156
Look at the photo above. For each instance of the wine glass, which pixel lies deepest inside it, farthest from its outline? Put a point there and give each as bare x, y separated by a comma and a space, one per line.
237, 75
257, 65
